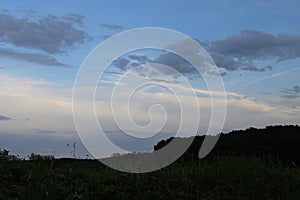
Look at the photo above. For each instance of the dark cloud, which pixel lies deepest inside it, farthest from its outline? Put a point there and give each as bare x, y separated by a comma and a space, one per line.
51, 34
234, 53
171, 60
253, 68
237, 52
4, 118
176, 62
233, 64
258, 45
134, 64
121, 63
293, 92
32, 57
111, 26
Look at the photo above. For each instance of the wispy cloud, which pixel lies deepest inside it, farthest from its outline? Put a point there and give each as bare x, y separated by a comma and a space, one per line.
293, 92
112, 26
74, 18
32, 57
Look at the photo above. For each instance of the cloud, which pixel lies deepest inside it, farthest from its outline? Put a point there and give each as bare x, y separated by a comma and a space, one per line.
168, 59
47, 107
140, 59
111, 26
185, 68
4, 118
42, 131
74, 18
121, 63
254, 112
32, 57
237, 52
175, 62
293, 92
50, 34
231, 64
50, 109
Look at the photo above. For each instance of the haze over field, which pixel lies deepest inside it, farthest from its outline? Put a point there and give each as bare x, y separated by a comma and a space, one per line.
255, 45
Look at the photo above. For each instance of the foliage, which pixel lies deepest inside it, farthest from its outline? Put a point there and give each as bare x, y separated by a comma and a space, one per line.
224, 177
37, 157
279, 142
4, 155
246, 164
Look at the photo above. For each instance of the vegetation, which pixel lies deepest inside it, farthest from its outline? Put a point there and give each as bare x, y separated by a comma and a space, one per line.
278, 142
4, 155
243, 166
34, 156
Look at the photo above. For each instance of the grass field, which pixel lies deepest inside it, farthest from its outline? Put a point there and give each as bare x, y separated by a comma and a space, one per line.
220, 177
245, 164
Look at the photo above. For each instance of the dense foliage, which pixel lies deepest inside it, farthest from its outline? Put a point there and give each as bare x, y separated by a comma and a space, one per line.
278, 142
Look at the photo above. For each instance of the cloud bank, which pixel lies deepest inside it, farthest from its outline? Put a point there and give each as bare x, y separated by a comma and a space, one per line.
239, 52
49, 35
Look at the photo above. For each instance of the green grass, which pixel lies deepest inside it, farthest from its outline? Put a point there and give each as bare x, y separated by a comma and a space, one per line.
223, 177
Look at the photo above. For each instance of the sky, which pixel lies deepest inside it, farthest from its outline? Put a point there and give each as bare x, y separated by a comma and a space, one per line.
255, 45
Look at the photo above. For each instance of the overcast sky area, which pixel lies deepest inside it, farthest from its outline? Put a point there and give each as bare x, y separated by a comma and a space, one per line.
255, 44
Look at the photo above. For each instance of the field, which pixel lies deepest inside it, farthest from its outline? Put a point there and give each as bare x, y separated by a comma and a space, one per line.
225, 177
228, 175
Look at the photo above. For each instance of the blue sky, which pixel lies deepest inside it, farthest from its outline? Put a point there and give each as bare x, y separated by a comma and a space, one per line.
254, 43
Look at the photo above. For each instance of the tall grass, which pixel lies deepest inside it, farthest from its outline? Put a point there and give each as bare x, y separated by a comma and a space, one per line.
222, 177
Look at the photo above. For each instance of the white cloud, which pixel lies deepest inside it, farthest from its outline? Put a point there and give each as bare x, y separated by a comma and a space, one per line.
34, 104
49, 108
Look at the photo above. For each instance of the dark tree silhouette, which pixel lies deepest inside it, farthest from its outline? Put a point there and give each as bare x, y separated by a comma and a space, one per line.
280, 142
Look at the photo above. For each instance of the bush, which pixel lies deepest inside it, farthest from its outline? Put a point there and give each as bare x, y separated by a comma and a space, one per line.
34, 156
4, 155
